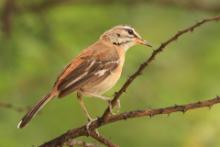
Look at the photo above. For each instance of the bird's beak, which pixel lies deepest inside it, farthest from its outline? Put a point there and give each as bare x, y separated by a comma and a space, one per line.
143, 42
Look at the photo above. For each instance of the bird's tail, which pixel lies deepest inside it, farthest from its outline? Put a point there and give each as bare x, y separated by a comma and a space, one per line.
34, 110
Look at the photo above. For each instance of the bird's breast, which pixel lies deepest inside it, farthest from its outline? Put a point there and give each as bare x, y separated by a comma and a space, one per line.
100, 87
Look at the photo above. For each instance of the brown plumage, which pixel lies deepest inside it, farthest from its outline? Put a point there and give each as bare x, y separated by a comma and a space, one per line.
94, 71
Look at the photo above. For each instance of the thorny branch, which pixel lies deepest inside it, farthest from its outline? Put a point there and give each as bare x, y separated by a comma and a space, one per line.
7, 16
82, 131
207, 6
151, 58
102, 139
11, 8
107, 118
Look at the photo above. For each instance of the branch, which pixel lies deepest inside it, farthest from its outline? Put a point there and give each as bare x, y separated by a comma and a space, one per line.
167, 110
128, 115
207, 6
190, 4
6, 16
102, 140
151, 58
107, 118
46, 5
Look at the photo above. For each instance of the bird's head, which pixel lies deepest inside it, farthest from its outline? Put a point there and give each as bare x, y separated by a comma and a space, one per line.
123, 36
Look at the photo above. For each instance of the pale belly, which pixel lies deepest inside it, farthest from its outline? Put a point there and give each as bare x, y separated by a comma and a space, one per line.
107, 83
103, 86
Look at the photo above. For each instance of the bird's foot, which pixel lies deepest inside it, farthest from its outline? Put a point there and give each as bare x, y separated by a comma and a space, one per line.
117, 107
88, 125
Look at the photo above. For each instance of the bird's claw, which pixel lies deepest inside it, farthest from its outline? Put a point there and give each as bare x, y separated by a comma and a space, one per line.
118, 106
90, 121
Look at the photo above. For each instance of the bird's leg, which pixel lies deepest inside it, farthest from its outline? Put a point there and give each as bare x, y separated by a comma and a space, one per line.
83, 106
117, 107
108, 99
90, 119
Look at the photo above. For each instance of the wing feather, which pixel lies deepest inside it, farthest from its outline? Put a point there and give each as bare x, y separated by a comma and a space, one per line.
87, 71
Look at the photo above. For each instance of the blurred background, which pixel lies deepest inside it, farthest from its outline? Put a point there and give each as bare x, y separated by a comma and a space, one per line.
39, 37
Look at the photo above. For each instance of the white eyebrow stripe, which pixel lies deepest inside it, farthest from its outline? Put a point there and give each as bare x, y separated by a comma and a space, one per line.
127, 27
137, 34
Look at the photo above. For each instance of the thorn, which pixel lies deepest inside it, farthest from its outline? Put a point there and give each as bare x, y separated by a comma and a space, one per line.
161, 111
162, 45
183, 110
192, 29
99, 120
210, 106
125, 118
176, 106
151, 115
116, 93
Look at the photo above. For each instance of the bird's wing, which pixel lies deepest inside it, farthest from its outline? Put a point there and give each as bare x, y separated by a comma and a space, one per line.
90, 69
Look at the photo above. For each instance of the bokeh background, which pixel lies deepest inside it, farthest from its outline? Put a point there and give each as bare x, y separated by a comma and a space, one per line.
39, 37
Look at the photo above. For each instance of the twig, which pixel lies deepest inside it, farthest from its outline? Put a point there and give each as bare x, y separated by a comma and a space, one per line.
207, 6
151, 58
81, 131
46, 4
107, 118
102, 140
167, 110
6, 17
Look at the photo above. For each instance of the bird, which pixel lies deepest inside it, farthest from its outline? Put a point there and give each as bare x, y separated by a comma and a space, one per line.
94, 71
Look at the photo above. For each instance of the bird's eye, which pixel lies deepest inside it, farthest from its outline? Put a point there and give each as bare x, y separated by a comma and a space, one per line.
130, 32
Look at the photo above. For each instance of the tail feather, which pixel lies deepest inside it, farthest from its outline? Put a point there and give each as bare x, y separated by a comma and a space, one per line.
26, 119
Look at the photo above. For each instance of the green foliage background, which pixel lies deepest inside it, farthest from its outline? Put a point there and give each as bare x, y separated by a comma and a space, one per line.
42, 43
